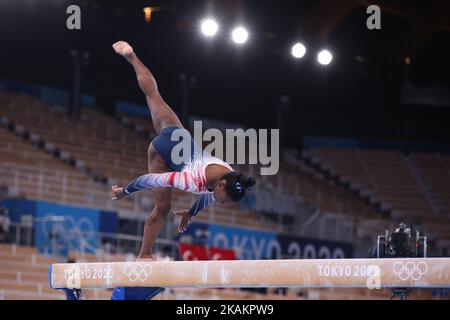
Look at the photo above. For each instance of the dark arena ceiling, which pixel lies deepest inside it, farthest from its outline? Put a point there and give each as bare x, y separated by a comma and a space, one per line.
357, 95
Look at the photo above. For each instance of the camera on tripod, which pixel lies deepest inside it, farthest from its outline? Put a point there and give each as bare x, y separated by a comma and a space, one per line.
400, 244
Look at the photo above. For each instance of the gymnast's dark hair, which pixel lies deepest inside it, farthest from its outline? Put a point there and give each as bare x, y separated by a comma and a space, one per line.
237, 185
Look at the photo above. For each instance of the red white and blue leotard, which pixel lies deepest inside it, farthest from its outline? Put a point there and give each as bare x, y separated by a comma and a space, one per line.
191, 178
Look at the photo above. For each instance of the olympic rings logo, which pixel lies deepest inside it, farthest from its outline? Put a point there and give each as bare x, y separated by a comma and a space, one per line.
410, 270
137, 271
79, 231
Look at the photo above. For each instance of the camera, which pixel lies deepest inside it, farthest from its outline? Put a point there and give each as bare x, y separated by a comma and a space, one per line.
401, 244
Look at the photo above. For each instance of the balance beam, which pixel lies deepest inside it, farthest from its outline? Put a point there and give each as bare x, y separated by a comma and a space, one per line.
308, 273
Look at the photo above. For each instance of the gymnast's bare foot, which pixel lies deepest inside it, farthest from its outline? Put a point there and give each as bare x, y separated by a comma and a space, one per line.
145, 258
124, 49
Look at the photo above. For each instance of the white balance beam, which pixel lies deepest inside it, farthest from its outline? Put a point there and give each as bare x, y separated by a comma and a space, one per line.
309, 273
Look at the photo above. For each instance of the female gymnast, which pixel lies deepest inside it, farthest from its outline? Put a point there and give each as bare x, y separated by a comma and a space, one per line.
213, 179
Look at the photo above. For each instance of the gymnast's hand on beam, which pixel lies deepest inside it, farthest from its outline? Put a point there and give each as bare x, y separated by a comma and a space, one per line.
185, 218
117, 192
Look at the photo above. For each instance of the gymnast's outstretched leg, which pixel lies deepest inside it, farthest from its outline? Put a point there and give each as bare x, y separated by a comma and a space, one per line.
162, 116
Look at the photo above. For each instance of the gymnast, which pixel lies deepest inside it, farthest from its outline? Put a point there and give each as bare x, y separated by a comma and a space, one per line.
211, 178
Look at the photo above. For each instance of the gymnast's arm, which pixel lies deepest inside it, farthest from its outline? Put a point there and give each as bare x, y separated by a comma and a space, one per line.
180, 180
203, 201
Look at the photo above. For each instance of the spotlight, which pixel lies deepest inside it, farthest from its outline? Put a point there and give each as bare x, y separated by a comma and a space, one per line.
209, 27
148, 13
324, 57
298, 50
239, 35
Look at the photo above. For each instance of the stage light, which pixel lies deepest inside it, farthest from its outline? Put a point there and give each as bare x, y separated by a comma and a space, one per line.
324, 57
239, 35
209, 27
298, 50
148, 13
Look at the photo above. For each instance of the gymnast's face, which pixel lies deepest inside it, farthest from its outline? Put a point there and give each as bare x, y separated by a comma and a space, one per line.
220, 194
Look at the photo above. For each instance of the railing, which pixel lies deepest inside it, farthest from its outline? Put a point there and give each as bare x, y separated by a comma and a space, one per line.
106, 246
14, 175
39, 176
59, 238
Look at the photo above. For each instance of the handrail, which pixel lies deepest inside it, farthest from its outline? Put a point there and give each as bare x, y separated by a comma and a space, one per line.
101, 235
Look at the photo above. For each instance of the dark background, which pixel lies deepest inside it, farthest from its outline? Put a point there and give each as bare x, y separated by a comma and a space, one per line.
358, 95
